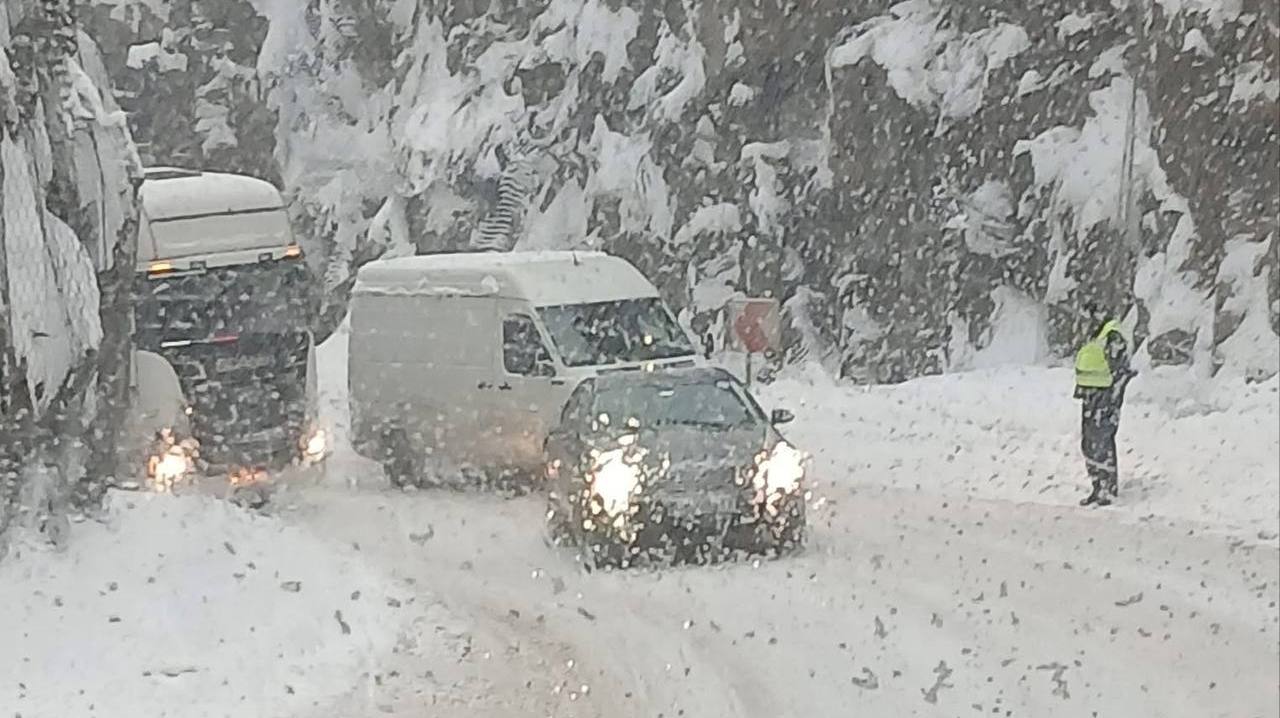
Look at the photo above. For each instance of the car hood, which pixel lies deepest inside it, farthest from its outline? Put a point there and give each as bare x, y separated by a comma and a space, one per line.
705, 458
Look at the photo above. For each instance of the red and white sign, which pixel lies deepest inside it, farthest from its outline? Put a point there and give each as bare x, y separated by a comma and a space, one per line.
755, 325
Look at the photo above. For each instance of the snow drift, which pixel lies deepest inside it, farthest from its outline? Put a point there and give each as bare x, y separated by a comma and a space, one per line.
187, 606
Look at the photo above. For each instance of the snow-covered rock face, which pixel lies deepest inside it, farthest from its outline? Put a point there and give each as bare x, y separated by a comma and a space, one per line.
872, 143
65, 196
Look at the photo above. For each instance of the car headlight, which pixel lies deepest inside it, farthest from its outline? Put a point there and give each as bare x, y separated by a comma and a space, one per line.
779, 470
614, 479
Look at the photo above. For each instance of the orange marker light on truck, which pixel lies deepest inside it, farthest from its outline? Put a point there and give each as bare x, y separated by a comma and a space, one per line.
293, 251
159, 267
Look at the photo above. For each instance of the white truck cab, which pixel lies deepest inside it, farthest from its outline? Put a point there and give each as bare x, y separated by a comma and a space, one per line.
227, 300
467, 359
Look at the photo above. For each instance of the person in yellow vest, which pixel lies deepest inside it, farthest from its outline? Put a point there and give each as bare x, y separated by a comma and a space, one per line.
1102, 372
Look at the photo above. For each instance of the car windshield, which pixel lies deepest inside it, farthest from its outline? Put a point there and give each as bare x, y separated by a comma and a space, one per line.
717, 404
267, 298
601, 333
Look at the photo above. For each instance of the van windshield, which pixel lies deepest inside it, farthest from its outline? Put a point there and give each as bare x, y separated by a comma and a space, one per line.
628, 330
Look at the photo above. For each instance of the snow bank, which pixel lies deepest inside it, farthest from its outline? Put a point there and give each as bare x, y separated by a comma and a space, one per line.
1253, 349
187, 606
344, 468
1204, 453
1019, 331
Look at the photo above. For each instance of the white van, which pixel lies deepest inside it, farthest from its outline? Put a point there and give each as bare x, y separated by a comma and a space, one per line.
465, 360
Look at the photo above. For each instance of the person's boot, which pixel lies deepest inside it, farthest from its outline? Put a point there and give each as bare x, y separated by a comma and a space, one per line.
1103, 500
1091, 499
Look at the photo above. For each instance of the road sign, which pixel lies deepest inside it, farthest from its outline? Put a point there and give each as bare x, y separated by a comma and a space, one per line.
755, 325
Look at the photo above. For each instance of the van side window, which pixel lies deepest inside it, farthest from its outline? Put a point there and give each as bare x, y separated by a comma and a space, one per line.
523, 352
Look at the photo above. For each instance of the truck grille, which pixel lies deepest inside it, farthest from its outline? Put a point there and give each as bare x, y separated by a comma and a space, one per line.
248, 397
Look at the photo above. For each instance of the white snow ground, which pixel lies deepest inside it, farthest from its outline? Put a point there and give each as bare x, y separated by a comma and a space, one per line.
186, 606
1205, 454
931, 588
940, 581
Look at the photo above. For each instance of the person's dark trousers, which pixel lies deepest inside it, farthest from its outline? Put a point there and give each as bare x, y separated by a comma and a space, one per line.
1100, 421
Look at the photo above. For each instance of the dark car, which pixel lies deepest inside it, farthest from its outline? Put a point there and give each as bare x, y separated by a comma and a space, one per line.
674, 463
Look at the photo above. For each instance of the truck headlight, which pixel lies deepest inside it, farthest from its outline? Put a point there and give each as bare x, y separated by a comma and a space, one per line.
613, 481
315, 446
171, 462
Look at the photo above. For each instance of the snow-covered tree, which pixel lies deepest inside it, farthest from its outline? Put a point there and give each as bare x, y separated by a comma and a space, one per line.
68, 238
928, 185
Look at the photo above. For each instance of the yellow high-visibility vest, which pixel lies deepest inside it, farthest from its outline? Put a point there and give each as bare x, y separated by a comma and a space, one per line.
1093, 371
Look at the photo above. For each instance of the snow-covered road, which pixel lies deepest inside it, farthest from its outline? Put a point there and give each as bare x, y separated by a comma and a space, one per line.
904, 605
949, 572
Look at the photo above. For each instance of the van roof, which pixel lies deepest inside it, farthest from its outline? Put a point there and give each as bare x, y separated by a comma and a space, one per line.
174, 193
541, 278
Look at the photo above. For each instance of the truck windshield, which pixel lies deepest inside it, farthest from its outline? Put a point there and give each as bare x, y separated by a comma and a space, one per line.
263, 298
628, 330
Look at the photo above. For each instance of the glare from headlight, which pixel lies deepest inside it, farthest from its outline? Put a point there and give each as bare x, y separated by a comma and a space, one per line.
171, 464
780, 470
243, 476
614, 480
315, 446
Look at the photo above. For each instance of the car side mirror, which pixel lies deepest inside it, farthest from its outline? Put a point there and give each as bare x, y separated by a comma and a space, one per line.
781, 416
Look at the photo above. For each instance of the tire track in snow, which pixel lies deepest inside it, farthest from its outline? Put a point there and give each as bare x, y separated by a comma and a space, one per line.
1018, 601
